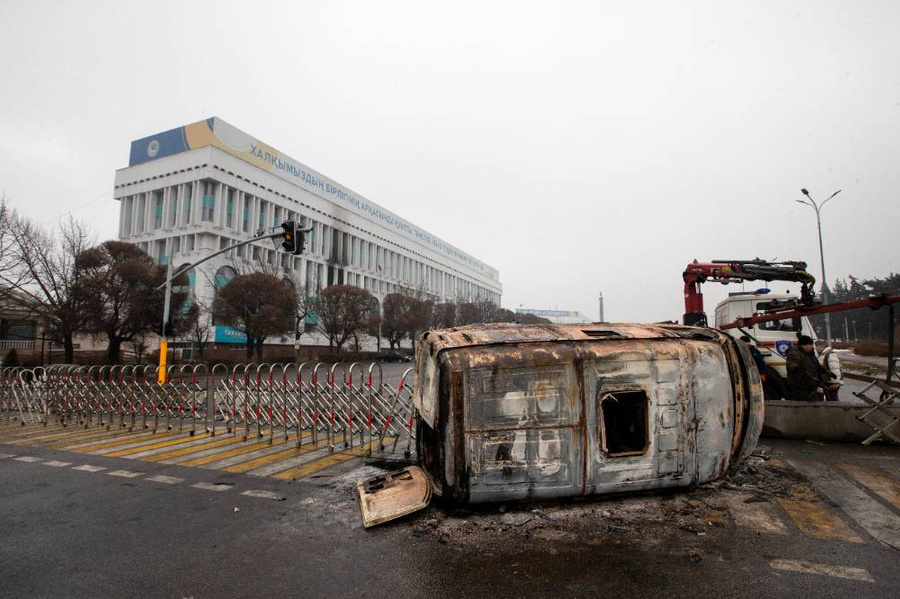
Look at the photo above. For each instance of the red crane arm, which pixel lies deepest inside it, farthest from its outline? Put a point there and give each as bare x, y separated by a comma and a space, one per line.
874, 302
730, 271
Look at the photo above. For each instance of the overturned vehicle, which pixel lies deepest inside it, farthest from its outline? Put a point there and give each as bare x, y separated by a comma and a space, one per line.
519, 412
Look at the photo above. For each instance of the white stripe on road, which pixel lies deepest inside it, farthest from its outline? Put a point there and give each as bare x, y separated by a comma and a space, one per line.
168, 480
760, 517
125, 473
264, 495
3, 456
789, 565
212, 486
57, 464
89, 468
27, 458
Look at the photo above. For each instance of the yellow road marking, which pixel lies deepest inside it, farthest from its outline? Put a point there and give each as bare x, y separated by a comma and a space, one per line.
887, 488
233, 452
815, 520
76, 434
23, 430
327, 461
126, 441
192, 449
160, 445
70, 442
272, 457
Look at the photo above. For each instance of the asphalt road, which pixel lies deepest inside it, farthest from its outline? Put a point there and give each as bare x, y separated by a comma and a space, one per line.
67, 531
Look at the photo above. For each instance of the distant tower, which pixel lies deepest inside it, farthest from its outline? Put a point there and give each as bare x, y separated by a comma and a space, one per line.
600, 298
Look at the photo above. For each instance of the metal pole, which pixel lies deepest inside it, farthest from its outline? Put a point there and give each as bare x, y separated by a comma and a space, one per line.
817, 208
378, 342
890, 366
163, 341
824, 279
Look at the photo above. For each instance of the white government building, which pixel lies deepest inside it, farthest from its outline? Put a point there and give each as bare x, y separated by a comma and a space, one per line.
196, 189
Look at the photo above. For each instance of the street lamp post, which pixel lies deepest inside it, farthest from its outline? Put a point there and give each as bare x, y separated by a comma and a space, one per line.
818, 207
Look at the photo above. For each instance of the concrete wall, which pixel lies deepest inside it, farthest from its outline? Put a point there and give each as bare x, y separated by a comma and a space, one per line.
831, 421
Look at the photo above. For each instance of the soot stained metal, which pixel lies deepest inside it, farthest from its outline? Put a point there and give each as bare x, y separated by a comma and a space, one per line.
519, 412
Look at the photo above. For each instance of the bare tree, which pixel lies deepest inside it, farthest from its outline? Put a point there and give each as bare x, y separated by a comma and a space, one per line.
139, 345
120, 283
200, 330
257, 304
46, 273
344, 310
406, 316
10, 258
305, 303
444, 315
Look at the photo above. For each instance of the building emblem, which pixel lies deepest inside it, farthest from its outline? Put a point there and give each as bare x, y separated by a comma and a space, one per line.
153, 148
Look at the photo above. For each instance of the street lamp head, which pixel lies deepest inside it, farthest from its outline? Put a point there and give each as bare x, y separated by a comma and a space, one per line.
805, 191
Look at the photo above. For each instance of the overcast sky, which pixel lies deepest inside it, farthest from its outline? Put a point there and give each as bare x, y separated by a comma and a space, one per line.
578, 147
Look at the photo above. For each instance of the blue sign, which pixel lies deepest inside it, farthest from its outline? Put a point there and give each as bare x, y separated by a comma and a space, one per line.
782, 347
226, 334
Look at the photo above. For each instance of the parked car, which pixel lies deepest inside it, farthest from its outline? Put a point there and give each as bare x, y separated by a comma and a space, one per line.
393, 356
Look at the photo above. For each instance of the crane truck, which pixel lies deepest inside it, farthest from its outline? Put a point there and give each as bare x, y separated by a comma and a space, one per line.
772, 321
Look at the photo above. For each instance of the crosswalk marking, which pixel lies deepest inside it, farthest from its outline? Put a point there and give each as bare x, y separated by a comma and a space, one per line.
844, 572
59, 437
167, 480
94, 447
81, 440
89, 468
27, 458
817, 521
877, 520
760, 517
119, 453
885, 487
57, 463
72, 445
185, 456
268, 459
212, 486
326, 462
263, 494
125, 473
139, 445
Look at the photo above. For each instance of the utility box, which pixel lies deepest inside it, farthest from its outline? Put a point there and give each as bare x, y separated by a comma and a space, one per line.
520, 412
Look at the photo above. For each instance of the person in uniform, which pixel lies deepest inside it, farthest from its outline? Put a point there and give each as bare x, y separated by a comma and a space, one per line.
804, 373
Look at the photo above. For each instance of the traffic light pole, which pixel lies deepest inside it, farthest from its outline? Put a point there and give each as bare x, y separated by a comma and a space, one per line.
164, 341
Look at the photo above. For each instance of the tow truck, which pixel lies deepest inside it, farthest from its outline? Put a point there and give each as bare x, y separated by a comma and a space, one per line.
772, 321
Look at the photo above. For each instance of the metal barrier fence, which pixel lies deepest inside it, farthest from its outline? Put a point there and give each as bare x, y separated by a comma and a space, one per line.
336, 406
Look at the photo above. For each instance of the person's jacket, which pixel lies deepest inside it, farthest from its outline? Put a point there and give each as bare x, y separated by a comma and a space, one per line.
832, 364
802, 377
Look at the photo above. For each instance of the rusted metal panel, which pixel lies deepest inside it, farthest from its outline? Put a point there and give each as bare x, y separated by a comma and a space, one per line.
537, 411
393, 495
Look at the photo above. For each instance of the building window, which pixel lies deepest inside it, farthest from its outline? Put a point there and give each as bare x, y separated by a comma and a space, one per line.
188, 190
209, 208
263, 208
229, 209
157, 209
173, 207
245, 224
139, 211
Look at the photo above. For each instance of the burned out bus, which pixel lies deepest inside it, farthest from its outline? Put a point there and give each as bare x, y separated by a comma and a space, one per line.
518, 412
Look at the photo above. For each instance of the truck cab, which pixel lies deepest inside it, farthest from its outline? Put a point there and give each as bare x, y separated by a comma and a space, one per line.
774, 338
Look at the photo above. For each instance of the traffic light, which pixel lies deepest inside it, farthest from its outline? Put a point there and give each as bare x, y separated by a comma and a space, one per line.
289, 236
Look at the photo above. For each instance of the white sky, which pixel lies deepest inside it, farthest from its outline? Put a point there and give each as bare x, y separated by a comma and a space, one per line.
576, 147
